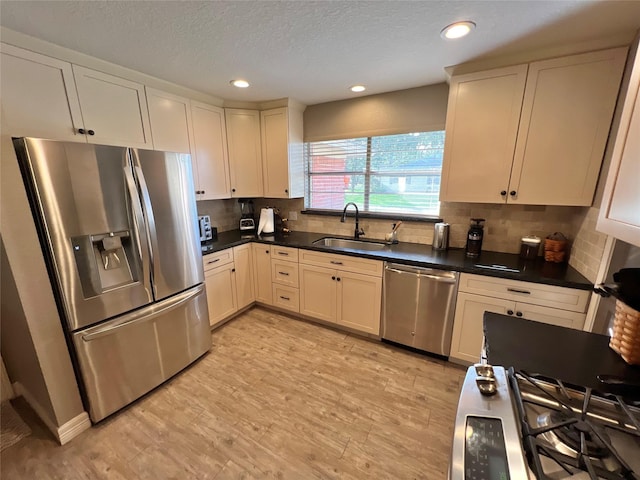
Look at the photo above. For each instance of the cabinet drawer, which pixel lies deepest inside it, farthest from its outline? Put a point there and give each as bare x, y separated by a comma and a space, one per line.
284, 272
286, 297
552, 316
285, 253
342, 262
217, 259
533, 293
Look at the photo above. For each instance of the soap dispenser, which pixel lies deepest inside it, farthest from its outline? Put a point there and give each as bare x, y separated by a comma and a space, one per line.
474, 237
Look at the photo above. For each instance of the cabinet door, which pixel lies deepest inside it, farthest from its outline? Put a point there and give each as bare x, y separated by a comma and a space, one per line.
38, 96
242, 258
262, 273
565, 122
113, 108
359, 301
245, 158
210, 139
221, 293
482, 125
318, 291
466, 343
170, 119
552, 316
620, 211
274, 125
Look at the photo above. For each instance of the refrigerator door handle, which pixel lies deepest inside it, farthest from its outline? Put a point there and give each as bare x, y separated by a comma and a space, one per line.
147, 314
141, 234
148, 210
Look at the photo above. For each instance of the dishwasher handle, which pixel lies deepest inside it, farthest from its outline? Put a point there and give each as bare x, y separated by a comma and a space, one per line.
422, 272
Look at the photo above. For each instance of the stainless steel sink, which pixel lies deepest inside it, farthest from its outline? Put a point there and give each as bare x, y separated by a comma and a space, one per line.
353, 244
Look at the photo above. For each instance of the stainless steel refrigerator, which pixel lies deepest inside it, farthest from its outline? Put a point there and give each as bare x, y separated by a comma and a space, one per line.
119, 232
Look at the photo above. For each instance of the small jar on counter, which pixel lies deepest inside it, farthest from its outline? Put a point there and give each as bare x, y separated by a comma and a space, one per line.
529, 247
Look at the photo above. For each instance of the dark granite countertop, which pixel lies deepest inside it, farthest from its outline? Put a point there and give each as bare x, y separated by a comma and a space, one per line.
494, 264
573, 356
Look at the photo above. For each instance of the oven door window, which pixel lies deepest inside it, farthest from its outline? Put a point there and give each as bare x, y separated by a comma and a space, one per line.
485, 454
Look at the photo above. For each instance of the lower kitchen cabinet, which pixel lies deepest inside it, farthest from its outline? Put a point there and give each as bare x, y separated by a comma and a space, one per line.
228, 278
560, 306
359, 302
242, 259
346, 298
286, 297
262, 273
318, 292
221, 292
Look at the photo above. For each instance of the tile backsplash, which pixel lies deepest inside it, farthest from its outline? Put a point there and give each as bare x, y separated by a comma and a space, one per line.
504, 227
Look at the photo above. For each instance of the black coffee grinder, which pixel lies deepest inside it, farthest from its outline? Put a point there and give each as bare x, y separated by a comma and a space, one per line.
247, 216
474, 237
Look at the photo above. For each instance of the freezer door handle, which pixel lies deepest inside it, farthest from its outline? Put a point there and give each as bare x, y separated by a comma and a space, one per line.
145, 315
141, 233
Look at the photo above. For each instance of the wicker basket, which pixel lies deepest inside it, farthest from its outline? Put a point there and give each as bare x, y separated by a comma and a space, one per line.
555, 250
626, 333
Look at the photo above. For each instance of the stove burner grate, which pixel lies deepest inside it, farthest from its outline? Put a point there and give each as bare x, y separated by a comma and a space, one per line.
584, 444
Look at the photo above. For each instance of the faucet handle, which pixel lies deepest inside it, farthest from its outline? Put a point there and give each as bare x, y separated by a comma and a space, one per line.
359, 233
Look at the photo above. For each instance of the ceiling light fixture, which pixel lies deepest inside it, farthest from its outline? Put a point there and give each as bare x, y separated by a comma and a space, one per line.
239, 83
457, 30
357, 88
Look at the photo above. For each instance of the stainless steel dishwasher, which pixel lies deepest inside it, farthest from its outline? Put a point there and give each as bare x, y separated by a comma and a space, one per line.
419, 304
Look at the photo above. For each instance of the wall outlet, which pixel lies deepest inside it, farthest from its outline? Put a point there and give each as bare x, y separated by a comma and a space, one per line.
293, 216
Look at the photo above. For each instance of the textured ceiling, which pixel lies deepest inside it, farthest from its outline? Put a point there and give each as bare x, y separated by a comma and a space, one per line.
311, 51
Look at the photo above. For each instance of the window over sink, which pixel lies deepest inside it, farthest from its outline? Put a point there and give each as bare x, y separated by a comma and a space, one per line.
395, 174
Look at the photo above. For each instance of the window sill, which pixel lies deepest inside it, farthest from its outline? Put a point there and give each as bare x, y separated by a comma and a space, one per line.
375, 215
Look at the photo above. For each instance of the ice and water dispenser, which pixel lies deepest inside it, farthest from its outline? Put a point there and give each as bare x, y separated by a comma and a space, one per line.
105, 261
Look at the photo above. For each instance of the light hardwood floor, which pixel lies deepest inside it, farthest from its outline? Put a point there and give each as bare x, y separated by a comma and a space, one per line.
275, 398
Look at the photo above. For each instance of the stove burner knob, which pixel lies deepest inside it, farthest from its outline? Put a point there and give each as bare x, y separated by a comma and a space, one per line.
487, 385
484, 370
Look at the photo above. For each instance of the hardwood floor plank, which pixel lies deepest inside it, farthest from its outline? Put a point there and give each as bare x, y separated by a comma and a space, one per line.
275, 398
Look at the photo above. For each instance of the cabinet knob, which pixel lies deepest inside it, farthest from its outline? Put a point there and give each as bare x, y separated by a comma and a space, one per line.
233, 189
513, 193
286, 190
519, 314
503, 193
338, 278
267, 252
233, 269
91, 132
202, 192
333, 278
509, 312
81, 131
413, 334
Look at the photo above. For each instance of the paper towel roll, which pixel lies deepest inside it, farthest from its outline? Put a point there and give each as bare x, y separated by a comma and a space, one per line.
266, 223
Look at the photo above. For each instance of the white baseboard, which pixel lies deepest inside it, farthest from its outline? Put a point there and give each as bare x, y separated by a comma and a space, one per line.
63, 433
74, 427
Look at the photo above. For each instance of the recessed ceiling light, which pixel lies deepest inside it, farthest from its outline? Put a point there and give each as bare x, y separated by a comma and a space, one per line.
239, 83
357, 88
457, 30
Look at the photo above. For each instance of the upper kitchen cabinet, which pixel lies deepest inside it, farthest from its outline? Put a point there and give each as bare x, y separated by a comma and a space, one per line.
210, 139
620, 210
245, 159
562, 128
38, 96
114, 110
481, 130
282, 154
170, 119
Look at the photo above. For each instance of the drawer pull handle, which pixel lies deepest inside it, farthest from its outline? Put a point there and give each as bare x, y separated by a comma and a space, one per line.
284, 298
283, 253
333, 262
284, 273
213, 261
518, 291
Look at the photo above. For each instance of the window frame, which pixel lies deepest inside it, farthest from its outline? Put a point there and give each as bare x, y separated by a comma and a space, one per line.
368, 174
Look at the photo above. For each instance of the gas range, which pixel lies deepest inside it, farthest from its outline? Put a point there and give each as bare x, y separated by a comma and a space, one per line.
539, 428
